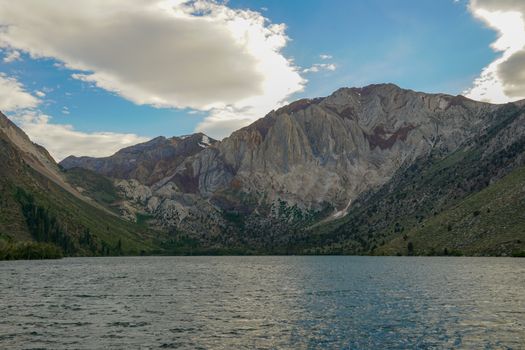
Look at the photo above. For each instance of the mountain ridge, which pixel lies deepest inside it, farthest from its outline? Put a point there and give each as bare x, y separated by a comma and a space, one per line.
156, 153
308, 178
326, 145
39, 205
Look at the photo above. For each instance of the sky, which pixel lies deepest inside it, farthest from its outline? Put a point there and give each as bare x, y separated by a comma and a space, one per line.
91, 77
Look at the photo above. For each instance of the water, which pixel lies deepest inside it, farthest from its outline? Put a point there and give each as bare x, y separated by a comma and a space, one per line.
263, 302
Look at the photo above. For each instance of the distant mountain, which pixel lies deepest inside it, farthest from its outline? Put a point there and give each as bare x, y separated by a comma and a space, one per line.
326, 175
38, 204
353, 172
469, 201
147, 162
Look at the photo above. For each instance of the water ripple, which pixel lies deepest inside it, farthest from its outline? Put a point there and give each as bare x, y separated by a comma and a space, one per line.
263, 303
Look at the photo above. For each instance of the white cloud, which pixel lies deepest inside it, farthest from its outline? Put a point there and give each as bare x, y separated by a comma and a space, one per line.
222, 122
12, 56
62, 140
325, 57
166, 53
13, 96
503, 79
40, 93
317, 67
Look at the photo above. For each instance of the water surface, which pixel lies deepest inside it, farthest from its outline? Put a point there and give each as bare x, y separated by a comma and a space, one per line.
263, 302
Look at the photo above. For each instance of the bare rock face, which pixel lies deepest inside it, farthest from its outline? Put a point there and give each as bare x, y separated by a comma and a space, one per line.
34, 155
169, 207
134, 190
311, 156
329, 150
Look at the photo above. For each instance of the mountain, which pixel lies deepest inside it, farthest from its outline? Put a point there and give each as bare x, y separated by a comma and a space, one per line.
347, 173
464, 202
332, 149
147, 162
39, 205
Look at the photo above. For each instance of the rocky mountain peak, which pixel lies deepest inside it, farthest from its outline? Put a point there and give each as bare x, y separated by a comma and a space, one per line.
34, 155
310, 153
332, 149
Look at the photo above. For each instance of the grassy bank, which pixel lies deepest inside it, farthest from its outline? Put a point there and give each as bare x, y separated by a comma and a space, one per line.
29, 251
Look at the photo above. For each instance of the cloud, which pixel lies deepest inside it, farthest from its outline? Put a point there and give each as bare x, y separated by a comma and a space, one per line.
166, 53
62, 140
325, 57
221, 125
512, 72
317, 67
503, 80
13, 96
12, 56
40, 93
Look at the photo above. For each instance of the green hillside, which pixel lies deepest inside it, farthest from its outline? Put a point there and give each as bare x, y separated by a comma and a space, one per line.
431, 200
465, 199
34, 208
93, 185
491, 221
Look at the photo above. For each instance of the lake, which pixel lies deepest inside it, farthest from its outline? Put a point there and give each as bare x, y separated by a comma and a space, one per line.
263, 302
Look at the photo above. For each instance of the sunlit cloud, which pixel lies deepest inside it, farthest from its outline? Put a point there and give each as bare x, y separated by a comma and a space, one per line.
13, 95
503, 80
12, 56
61, 140
199, 54
318, 67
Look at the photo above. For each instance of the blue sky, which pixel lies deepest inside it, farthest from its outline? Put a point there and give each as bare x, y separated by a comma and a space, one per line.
426, 45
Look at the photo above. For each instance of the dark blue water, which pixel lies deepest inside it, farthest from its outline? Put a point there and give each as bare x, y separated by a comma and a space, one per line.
263, 302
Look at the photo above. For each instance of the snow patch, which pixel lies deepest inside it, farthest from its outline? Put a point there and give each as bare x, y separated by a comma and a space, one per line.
205, 141
341, 213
